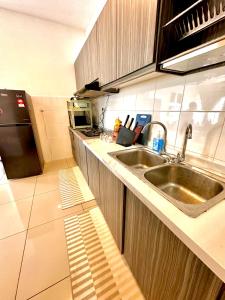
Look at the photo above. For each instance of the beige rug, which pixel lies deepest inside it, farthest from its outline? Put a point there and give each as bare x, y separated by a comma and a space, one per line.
97, 268
73, 188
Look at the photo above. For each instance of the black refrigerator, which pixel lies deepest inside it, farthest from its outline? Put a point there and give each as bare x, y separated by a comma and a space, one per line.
17, 144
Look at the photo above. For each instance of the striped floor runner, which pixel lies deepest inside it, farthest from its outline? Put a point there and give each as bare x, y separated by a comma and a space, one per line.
97, 268
73, 188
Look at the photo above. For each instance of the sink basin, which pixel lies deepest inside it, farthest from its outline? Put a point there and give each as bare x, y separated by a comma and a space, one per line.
189, 190
140, 158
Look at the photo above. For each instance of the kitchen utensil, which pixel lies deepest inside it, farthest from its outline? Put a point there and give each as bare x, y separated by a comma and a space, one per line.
125, 137
137, 131
127, 118
135, 126
143, 119
131, 122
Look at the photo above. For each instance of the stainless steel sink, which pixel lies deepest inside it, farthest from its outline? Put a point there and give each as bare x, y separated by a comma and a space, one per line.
140, 158
189, 190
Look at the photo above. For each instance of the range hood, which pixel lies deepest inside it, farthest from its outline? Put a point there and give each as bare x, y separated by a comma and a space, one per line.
209, 55
192, 35
93, 90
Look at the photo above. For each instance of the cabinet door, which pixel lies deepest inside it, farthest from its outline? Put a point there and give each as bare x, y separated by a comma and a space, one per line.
106, 39
86, 65
76, 150
136, 21
93, 175
72, 143
91, 65
80, 70
83, 160
162, 265
111, 195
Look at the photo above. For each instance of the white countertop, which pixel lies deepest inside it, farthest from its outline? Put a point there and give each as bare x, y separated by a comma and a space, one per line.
204, 235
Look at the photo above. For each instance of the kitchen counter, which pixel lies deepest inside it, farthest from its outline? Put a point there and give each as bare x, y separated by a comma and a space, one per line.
204, 235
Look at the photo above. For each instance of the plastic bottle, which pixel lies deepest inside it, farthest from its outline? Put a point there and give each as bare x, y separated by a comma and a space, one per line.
116, 128
158, 143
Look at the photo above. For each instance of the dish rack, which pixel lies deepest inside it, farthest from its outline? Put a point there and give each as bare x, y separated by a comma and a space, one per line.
197, 17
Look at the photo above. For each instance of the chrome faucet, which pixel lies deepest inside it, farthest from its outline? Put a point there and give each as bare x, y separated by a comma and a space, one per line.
164, 128
188, 135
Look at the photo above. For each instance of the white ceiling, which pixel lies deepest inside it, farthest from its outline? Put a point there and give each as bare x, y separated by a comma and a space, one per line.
76, 13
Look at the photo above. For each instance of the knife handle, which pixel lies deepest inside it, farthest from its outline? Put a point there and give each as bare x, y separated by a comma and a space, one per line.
132, 120
127, 118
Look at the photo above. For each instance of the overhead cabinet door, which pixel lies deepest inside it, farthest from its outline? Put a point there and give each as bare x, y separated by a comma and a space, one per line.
136, 20
106, 38
86, 64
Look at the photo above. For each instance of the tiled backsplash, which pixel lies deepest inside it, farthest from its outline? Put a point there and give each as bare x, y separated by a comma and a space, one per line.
198, 99
52, 123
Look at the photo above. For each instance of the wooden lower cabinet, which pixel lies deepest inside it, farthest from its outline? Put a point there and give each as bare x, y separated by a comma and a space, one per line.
83, 159
93, 175
162, 265
72, 144
111, 202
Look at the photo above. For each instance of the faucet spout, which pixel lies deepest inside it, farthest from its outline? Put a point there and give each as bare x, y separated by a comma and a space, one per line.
164, 129
188, 135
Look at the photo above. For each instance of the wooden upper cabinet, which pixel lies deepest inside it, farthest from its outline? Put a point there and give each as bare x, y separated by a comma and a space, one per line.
121, 42
106, 39
92, 64
136, 21
86, 65
80, 69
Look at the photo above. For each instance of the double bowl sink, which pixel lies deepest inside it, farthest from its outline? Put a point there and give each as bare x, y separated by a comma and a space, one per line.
189, 190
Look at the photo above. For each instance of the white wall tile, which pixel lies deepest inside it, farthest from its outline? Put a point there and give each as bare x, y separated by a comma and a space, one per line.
60, 148
207, 128
145, 95
169, 93
55, 130
220, 152
170, 120
52, 123
56, 117
205, 91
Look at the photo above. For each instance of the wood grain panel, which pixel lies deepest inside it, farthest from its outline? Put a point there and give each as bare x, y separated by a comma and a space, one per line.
81, 74
93, 175
87, 64
83, 159
106, 39
111, 195
162, 265
136, 20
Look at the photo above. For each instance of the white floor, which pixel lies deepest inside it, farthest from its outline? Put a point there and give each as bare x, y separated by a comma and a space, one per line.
33, 253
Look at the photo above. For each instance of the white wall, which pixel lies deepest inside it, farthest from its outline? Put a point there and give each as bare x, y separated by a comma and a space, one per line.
38, 56
176, 101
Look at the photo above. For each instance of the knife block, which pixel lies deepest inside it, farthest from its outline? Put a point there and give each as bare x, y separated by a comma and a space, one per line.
125, 137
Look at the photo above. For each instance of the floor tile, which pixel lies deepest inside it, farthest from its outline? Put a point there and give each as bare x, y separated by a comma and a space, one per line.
11, 251
14, 217
17, 189
59, 291
47, 207
47, 183
45, 259
55, 166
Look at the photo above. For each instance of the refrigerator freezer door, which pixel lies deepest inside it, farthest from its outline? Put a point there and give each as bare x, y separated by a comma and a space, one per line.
13, 107
18, 151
